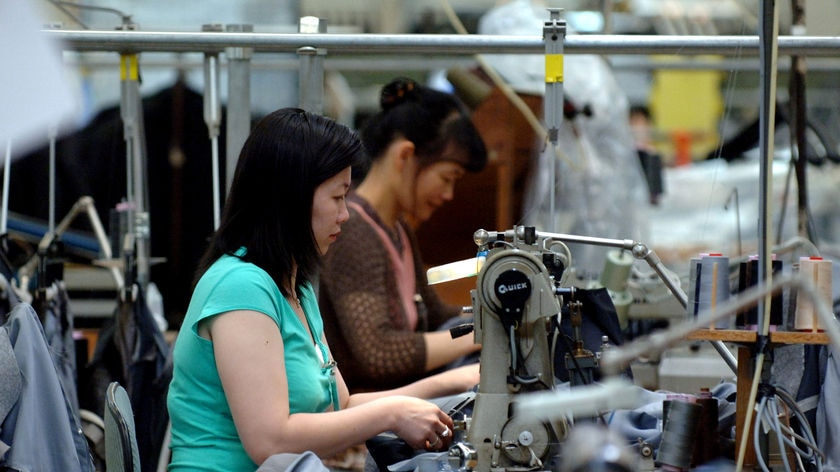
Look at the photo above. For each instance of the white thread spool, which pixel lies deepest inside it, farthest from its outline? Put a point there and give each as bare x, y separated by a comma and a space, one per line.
818, 271
614, 278
713, 285
617, 270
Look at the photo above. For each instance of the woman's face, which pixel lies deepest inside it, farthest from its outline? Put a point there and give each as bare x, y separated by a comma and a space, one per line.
435, 186
329, 209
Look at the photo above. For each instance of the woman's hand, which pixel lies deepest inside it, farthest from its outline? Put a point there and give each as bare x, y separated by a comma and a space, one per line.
461, 379
421, 424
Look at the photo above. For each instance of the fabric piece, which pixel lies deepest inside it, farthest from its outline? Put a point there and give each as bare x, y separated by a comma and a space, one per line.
810, 382
43, 415
828, 418
53, 308
287, 462
364, 319
10, 381
424, 462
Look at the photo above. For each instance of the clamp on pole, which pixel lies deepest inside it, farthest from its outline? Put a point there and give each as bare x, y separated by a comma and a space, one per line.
554, 33
311, 73
213, 116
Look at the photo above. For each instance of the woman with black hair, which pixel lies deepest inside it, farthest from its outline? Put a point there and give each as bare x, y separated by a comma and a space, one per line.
381, 316
254, 377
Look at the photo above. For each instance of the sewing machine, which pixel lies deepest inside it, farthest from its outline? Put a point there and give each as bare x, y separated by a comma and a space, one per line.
517, 305
514, 302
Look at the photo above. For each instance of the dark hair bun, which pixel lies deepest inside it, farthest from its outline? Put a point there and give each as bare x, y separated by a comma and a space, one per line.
396, 92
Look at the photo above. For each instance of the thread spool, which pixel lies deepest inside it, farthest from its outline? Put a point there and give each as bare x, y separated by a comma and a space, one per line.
747, 278
614, 278
691, 306
713, 285
678, 434
616, 270
818, 271
707, 443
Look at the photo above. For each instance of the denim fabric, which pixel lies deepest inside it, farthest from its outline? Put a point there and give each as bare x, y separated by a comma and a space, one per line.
40, 428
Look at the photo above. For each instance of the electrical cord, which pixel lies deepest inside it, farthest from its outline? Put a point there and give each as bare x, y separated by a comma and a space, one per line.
803, 444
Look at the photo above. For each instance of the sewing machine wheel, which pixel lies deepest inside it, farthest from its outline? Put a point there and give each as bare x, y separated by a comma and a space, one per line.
520, 438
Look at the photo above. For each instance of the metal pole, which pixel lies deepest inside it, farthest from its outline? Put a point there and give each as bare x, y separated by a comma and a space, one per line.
606, 12
767, 112
131, 111
311, 73
437, 44
238, 123
798, 113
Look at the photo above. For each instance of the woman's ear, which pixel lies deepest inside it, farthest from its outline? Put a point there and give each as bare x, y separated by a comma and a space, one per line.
404, 156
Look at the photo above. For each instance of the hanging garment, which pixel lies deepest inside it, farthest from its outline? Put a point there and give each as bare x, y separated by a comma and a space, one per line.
180, 186
828, 419
11, 382
131, 350
40, 429
53, 309
808, 395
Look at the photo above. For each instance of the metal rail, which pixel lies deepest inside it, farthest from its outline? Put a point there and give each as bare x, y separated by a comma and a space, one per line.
438, 44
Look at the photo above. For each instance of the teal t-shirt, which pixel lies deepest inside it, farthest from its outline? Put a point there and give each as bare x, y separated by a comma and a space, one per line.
204, 436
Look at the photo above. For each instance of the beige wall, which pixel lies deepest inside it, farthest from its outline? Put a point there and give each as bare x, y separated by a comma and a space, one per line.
821, 17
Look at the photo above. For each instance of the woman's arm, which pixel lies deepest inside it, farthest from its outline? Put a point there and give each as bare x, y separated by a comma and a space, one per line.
451, 382
249, 356
441, 348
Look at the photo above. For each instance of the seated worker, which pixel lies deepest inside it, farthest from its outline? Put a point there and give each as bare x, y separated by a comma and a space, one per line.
254, 379
380, 314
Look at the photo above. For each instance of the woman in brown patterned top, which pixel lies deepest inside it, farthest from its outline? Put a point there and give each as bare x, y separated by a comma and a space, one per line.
380, 314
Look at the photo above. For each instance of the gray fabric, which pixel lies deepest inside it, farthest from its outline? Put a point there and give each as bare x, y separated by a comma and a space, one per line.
828, 417
787, 367
57, 320
40, 428
10, 382
423, 462
287, 462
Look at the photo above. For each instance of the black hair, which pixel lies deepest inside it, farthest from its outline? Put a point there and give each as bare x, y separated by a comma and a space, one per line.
428, 118
287, 155
642, 110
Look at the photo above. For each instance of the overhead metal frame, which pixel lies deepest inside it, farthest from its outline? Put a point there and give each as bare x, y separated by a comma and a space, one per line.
343, 44
437, 44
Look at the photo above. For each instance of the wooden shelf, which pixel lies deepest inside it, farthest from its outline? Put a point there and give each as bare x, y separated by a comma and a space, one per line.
746, 336
746, 367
